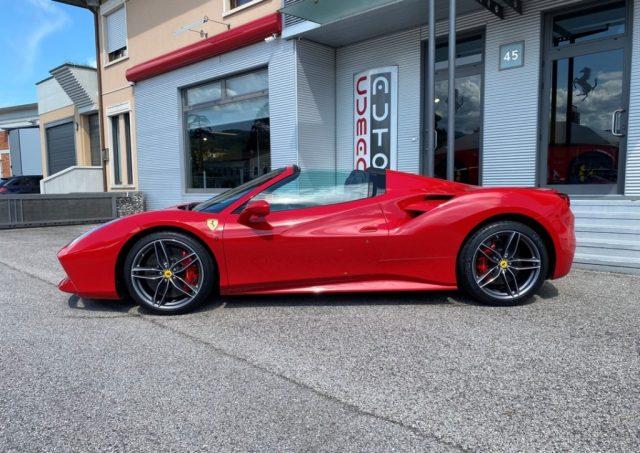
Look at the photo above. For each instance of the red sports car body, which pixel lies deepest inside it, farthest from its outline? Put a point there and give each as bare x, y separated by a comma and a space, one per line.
406, 233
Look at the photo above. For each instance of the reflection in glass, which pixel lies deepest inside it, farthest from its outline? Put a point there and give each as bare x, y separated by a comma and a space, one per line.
467, 131
586, 91
596, 23
229, 143
248, 83
205, 93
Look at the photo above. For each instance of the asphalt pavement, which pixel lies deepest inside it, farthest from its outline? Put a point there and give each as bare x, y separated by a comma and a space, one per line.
399, 372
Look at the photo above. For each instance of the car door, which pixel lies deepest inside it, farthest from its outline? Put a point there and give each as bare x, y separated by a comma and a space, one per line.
302, 246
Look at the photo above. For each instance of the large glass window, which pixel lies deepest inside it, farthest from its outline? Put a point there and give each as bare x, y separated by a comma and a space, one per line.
227, 127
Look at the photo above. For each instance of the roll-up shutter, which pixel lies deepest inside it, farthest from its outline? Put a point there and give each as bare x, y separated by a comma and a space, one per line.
116, 30
61, 150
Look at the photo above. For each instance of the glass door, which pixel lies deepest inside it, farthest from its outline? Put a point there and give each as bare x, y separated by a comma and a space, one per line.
468, 126
585, 107
468, 100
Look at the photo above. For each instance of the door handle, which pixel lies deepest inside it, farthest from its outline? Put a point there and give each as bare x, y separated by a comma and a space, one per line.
615, 123
369, 229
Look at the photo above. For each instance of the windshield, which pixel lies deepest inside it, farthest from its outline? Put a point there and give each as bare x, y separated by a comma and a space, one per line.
3, 181
220, 202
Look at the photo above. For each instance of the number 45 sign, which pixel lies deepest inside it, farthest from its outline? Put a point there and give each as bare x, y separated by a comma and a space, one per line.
512, 55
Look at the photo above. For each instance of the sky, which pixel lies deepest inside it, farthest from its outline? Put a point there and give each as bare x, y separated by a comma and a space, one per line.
36, 36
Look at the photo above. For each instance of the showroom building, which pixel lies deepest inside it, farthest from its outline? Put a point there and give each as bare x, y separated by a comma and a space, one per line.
544, 97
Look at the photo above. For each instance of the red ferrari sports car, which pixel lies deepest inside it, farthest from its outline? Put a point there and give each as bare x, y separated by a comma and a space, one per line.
291, 231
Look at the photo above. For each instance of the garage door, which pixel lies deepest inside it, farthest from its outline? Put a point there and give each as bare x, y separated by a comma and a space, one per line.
61, 149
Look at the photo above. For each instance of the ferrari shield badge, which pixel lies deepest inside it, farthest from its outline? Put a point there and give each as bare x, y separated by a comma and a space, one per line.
212, 224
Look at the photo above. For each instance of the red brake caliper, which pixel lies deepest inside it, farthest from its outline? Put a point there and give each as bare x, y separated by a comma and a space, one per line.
482, 263
192, 274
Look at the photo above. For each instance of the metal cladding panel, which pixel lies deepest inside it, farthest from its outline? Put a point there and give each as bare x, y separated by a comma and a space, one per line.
510, 138
316, 87
402, 50
160, 138
632, 180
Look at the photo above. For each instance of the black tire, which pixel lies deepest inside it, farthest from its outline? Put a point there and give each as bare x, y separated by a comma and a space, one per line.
187, 294
468, 273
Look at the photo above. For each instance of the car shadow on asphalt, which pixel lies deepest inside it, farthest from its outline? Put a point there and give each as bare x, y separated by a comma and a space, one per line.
449, 298
95, 305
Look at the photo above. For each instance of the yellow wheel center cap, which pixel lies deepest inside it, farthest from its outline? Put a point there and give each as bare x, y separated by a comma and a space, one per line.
504, 264
167, 273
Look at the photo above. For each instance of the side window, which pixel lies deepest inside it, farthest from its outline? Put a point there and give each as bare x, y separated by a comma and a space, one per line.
317, 188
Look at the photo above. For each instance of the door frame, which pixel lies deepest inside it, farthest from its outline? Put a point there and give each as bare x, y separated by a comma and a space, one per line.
550, 54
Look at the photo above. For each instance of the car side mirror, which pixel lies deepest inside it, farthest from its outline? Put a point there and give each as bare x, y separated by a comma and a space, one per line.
258, 208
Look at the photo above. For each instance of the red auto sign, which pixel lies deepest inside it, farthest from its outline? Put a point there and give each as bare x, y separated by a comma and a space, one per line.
375, 118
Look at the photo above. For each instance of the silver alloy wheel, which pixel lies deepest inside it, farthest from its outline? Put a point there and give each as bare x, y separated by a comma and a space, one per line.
159, 273
506, 265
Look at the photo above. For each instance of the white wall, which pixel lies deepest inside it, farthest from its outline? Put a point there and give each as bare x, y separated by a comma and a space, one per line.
73, 180
51, 96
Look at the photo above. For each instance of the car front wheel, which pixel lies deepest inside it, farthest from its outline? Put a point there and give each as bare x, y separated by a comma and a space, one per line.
169, 273
504, 263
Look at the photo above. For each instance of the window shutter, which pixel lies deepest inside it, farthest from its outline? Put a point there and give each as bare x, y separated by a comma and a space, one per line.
116, 30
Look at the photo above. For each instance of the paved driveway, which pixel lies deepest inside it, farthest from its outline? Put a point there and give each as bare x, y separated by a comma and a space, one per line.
341, 373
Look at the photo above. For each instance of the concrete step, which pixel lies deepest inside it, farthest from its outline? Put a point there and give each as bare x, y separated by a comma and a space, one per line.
620, 255
603, 202
630, 214
607, 260
609, 228
612, 244
609, 223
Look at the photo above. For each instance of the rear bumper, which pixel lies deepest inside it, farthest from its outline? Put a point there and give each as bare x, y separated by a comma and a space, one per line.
565, 244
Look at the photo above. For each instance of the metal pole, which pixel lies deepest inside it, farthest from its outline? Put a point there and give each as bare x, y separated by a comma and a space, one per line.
431, 89
451, 131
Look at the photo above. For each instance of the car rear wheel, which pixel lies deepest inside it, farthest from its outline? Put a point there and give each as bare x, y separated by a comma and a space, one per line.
504, 263
169, 273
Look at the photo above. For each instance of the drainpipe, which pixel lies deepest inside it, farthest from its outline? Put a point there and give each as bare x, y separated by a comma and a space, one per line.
96, 24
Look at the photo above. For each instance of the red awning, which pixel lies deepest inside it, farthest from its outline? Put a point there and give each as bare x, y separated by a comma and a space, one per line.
244, 35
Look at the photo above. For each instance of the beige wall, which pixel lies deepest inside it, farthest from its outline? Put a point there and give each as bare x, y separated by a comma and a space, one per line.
150, 28
83, 148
